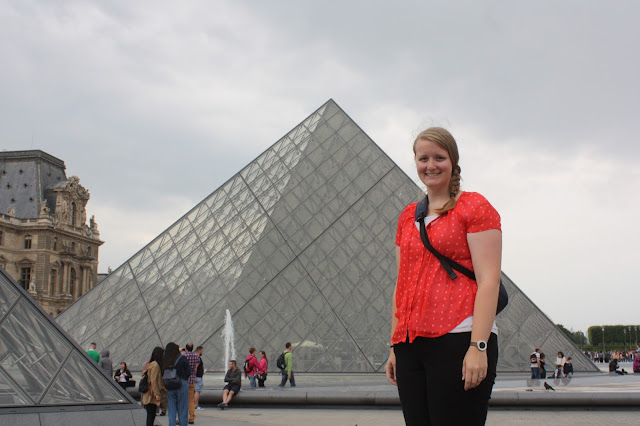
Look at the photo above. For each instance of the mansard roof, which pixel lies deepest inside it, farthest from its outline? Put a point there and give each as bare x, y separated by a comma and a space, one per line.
24, 178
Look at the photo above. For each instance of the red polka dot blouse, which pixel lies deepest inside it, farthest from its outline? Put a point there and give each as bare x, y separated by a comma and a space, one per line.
429, 303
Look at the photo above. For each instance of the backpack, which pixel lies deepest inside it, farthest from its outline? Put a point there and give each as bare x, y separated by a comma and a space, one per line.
280, 363
533, 358
143, 386
247, 366
170, 378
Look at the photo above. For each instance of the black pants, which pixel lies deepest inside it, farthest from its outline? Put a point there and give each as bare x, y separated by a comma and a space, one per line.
429, 375
151, 413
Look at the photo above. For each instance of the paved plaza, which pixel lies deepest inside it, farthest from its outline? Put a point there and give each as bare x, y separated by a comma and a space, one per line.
338, 399
332, 416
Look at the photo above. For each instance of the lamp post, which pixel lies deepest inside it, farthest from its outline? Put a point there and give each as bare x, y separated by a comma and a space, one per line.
603, 350
636, 327
624, 336
629, 328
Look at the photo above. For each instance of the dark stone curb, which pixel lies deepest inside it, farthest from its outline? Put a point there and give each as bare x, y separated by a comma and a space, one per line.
323, 397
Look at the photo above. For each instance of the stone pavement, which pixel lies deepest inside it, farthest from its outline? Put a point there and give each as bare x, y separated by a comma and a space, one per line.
339, 399
333, 416
372, 390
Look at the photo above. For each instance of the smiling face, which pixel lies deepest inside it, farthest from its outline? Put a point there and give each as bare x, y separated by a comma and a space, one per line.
433, 164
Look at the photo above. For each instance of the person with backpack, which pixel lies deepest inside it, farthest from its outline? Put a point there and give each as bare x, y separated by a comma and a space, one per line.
251, 367
155, 387
534, 363
440, 313
175, 373
285, 364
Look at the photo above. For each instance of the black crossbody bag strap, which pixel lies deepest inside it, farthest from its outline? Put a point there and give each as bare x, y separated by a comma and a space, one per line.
448, 264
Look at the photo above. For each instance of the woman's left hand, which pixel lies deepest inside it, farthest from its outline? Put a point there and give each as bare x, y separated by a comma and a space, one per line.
474, 368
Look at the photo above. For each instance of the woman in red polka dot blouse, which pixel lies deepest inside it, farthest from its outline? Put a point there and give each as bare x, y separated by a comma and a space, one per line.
444, 340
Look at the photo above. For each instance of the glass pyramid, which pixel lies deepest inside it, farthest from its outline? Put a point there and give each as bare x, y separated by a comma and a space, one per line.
39, 365
299, 246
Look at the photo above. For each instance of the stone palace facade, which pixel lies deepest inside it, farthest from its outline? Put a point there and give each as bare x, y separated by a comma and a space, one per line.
46, 244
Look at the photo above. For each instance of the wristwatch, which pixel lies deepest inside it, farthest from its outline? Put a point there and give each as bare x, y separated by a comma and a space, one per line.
481, 345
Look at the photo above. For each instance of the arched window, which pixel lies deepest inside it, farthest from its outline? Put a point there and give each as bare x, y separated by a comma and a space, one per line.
72, 282
1, 235
55, 243
73, 214
27, 241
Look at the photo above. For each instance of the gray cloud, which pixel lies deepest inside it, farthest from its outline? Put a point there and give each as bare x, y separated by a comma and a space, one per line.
155, 104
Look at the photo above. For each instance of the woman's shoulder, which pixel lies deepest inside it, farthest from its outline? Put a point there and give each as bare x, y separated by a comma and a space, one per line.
472, 198
473, 201
408, 211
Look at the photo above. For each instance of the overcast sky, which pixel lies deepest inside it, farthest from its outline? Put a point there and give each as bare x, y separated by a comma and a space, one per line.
155, 104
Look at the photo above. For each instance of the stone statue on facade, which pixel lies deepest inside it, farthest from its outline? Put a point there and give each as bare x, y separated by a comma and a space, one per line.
44, 210
32, 287
93, 224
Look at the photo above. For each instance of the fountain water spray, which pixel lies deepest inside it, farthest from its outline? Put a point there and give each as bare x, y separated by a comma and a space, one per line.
227, 337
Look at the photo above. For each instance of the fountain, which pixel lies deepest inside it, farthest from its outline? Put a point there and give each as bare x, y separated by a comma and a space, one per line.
227, 337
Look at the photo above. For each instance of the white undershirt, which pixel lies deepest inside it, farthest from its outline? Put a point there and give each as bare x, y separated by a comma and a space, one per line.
467, 324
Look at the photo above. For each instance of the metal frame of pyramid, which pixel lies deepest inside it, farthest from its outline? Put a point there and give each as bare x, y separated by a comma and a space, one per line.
44, 373
299, 246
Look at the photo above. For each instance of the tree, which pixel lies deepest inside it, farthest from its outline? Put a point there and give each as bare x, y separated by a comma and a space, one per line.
576, 337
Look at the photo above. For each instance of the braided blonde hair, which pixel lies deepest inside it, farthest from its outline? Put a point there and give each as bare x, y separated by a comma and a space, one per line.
445, 140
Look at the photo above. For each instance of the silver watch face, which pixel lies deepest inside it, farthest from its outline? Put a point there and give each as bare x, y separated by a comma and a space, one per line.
482, 345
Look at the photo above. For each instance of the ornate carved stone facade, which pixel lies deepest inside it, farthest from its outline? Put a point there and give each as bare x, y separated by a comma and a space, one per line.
45, 242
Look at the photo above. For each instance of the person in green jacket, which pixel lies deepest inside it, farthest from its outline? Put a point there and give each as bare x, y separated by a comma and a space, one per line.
287, 371
93, 353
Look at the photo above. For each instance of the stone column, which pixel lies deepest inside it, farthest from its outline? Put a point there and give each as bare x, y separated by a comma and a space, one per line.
84, 280
64, 283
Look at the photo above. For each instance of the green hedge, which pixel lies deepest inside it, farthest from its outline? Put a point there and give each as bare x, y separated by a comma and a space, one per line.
613, 335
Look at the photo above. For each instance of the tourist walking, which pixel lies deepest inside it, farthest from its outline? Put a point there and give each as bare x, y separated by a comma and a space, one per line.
199, 379
105, 362
287, 371
263, 366
153, 396
534, 363
434, 316
193, 360
176, 371
93, 353
251, 367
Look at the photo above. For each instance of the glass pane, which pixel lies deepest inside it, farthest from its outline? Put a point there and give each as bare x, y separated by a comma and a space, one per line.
31, 350
9, 396
80, 383
8, 295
